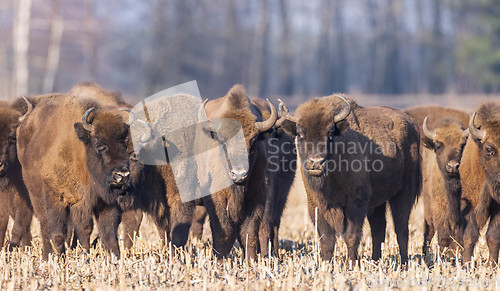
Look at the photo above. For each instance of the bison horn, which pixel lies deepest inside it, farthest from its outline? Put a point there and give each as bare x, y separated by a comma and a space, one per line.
203, 119
476, 133
85, 120
149, 134
28, 111
344, 113
267, 124
131, 114
285, 114
428, 133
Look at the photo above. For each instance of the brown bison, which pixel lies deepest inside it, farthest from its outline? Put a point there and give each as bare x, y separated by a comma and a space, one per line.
441, 150
13, 192
480, 176
355, 160
75, 163
236, 212
280, 173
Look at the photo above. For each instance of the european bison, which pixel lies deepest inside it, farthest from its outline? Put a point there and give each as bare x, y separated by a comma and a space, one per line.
443, 137
355, 160
480, 176
442, 189
236, 212
280, 173
75, 163
13, 192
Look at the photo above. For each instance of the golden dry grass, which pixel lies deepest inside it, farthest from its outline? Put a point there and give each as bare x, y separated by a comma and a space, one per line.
149, 266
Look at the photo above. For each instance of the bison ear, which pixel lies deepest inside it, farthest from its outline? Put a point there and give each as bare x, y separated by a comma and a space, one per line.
82, 133
427, 142
289, 127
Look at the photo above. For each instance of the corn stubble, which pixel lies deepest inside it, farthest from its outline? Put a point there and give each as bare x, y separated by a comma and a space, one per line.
149, 265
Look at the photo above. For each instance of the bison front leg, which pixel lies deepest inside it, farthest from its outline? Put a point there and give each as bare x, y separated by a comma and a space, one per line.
377, 226
401, 210
131, 222
249, 235
471, 235
23, 214
223, 231
355, 214
57, 218
181, 216
108, 218
83, 225
493, 237
200, 215
4, 221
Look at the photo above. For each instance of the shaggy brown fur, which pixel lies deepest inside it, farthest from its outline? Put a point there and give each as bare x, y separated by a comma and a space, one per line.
435, 113
480, 176
13, 192
344, 195
280, 173
442, 189
236, 212
72, 173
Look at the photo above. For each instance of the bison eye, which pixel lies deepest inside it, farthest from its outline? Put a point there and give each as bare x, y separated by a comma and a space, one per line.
300, 133
439, 146
101, 148
489, 152
133, 157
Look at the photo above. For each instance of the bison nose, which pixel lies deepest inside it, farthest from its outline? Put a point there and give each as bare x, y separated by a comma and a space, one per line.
238, 175
452, 167
121, 176
316, 162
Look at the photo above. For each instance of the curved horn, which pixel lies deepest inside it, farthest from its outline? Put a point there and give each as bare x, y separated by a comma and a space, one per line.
474, 131
131, 114
345, 112
149, 134
427, 132
267, 124
28, 111
85, 122
285, 114
202, 117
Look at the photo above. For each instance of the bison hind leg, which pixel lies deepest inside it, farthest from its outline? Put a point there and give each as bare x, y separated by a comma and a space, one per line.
377, 226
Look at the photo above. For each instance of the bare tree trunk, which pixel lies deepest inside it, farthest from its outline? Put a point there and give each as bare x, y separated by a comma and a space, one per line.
21, 44
90, 62
258, 76
286, 64
54, 51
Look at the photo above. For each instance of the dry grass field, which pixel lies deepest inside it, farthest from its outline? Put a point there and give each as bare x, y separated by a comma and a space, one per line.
149, 266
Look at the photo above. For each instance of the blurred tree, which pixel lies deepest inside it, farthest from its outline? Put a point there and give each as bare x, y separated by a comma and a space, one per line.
479, 48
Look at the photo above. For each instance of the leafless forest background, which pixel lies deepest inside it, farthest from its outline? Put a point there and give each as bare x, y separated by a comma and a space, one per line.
295, 49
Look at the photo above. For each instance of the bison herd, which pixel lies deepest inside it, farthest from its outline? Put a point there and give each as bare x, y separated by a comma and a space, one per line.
70, 160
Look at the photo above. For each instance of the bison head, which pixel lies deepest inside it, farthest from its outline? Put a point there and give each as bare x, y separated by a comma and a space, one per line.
9, 121
447, 140
106, 139
487, 137
227, 116
316, 124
